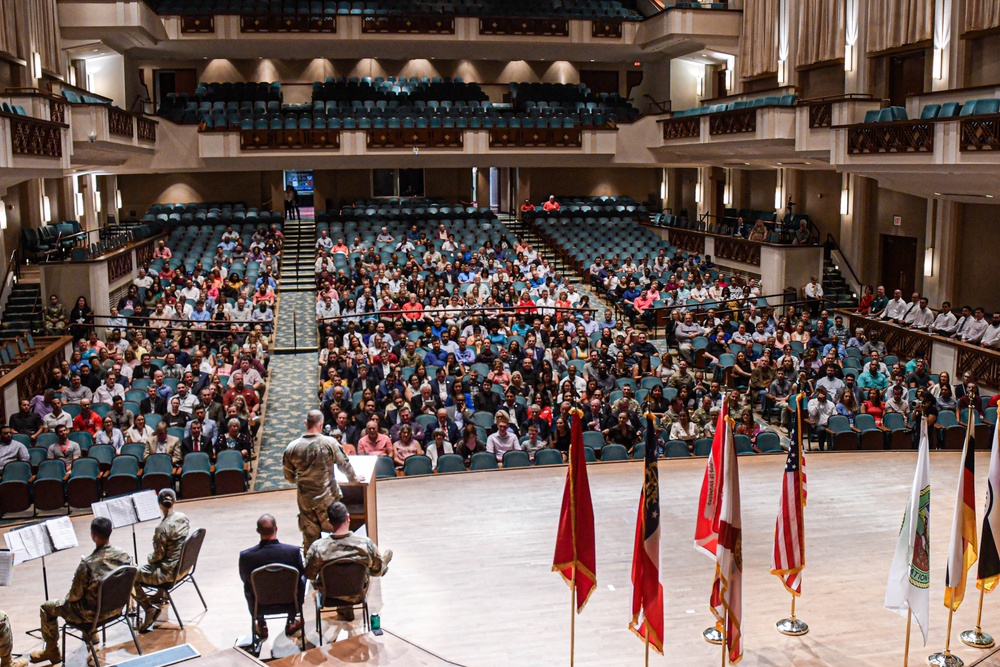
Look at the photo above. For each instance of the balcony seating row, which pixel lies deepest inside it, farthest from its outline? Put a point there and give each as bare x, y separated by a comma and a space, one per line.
83, 98
307, 122
407, 213
215, 213
590, 9
405, 91
55, 239
931, 111
768, 101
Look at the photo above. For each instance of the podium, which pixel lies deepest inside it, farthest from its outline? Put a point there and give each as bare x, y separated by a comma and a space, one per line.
360, 496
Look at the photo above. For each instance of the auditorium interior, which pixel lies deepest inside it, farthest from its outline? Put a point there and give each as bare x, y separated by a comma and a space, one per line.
462, 241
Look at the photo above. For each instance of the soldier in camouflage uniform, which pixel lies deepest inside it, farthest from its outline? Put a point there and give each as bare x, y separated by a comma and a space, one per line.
345, 547
81, 602
7, 645
161, 566
308, 463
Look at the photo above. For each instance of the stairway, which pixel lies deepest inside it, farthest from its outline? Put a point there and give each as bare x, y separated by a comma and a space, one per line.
23, 311
298, 256
527, 233
835, 288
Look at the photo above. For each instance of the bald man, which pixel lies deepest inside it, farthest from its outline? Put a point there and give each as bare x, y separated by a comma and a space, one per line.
269, 551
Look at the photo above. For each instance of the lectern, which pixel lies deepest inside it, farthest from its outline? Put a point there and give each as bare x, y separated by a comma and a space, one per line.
360, 496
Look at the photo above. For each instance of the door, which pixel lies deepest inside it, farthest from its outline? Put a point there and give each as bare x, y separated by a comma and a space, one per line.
600, 81
899, 263
174, 81
906, 76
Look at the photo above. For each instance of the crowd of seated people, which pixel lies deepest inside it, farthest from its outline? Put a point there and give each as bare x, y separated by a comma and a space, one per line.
968, 325
178, 366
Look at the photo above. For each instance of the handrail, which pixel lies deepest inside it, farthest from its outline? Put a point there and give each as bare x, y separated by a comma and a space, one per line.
13, 267
833, 245
478, 310
662, 107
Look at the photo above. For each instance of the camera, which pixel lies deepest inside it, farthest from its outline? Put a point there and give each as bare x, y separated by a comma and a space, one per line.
92, 137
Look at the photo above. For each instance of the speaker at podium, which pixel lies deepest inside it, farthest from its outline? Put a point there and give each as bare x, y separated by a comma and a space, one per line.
360, 496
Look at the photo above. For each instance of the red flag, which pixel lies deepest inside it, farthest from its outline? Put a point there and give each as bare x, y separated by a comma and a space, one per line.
727, 589
706, 531
789, 555
575, 555
647, 592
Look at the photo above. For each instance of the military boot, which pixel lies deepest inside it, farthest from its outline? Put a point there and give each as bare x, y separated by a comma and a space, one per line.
48, 654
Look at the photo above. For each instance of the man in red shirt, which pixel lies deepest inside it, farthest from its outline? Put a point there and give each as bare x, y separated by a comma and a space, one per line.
527, 207
87, 420
551, 204
373, 442
413, 310
237, 388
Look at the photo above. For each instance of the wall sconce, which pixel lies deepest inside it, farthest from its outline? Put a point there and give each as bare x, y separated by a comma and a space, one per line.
729, 80
46, 209
779, 190
36, 65
727, 190
72, 76
97, 201
79, 204
699, 87
782, 72
3, 215
848, 57
929, 261
697, 191
845, 195
118, 199
937, 70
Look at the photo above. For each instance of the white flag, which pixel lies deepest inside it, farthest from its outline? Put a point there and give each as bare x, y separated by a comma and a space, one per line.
909, 576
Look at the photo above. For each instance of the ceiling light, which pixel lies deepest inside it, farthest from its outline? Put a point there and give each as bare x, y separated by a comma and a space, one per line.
937, 194
989, 196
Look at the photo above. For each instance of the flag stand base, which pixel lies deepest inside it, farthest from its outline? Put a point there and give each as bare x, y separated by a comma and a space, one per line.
712, 635
792, 626
945, 659
976, 639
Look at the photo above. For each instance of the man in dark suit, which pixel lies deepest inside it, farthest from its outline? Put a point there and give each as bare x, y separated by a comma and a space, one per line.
196, 441
487, 400
269, 552
153, 403
442, 385
447, 426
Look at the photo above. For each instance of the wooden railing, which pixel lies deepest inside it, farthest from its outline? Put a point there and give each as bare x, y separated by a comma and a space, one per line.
120, 123
32, 136
737, 121
259, 24
820, 115
409, 25
415, 137
532, 27
904, 136
502, 137
606, 28
145, 129
33, 373
685, 127
57, 111
687, 240
275, 139
737, 250
980, 134
197, 24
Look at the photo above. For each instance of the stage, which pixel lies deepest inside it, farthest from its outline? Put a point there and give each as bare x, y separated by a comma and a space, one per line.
471, 579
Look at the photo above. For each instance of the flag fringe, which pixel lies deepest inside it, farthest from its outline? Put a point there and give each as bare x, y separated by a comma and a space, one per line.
654, 641
569, 580
781, 575
719, 620
988, 584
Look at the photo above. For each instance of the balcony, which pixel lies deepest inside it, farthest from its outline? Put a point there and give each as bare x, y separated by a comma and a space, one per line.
37, 148
106, 135
760, 128
678, 31
815, 119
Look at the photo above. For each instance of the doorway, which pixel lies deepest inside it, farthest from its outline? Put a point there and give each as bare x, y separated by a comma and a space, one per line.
899, 263
906, 76
178, 81
301, 180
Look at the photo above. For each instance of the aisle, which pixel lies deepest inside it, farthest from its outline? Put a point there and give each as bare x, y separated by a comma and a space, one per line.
291, 394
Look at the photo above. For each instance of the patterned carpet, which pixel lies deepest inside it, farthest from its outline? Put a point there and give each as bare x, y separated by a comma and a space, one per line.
303, 334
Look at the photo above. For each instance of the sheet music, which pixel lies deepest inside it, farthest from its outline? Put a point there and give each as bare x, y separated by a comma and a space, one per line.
6, 567
364, 467
29, 542
146, 506
61, 533
119, 511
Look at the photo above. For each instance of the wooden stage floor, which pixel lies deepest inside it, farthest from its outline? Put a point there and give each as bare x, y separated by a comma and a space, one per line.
471, 579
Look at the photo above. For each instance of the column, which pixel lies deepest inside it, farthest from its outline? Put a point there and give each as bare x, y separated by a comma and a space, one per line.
941, 250
703, 191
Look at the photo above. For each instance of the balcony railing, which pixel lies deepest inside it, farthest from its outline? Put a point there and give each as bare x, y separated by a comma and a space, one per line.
409, 25
737, 250
532, 27
197, 24
282, 139
904, 136
980, 134
415, 138
686, 127
820, 115
120, 123
31, 136
737, 121
606, 28
569, 137
259, 24
145, 129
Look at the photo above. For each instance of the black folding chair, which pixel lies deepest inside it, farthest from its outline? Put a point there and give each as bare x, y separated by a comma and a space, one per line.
113, 596
342, 585
276, 593
185, 572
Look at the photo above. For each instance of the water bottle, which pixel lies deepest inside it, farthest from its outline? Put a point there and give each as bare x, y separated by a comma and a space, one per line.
376, 624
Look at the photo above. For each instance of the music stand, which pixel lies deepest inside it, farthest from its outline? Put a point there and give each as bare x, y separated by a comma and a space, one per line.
39, 540
129, 510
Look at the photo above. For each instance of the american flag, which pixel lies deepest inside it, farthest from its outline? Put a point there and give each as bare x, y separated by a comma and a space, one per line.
789, 557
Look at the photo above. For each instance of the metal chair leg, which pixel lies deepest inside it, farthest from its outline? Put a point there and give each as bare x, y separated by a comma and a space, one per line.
302, 636
135, 639
200, 597
170, 599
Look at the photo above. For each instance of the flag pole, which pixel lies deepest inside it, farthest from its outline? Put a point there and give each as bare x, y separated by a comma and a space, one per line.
647, 643
906, 646
977, 638
945, 658
725, 617
572, 617
791, 626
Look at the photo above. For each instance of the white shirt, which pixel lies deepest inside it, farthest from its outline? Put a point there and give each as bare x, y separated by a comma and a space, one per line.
820, 412
945, 322
974, 330
991, 336
323, 311
105, 395
920, 318
894, 309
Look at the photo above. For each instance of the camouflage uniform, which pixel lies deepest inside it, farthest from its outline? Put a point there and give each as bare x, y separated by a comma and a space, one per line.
308, 463
349, 548
81, 602
161, 568
6, 639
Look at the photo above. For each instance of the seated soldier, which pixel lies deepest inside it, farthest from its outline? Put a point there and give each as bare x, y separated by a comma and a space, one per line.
343, 546
161, 566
